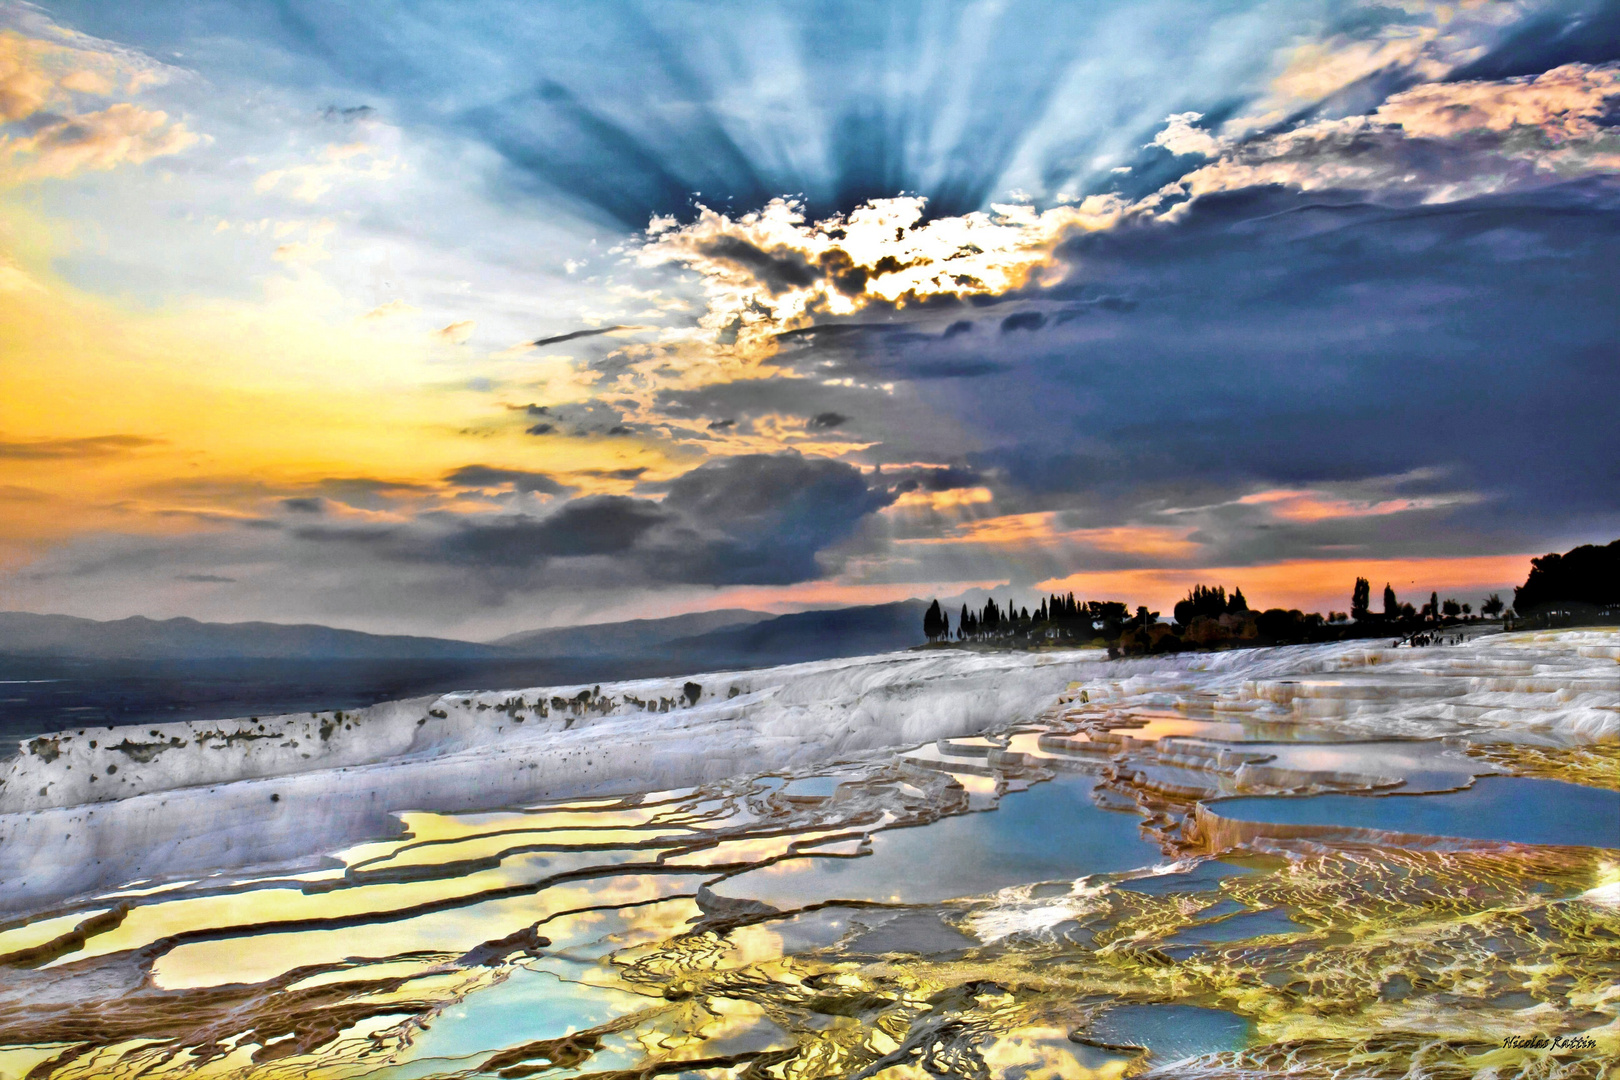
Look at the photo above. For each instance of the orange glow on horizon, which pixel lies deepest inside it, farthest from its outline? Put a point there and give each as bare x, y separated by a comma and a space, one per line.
1011, 530
1310, 585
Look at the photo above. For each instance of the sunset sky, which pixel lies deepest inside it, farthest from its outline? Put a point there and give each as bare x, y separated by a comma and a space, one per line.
464, 318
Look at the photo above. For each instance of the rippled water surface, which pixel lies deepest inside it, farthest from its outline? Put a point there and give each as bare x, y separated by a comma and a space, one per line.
1118, 886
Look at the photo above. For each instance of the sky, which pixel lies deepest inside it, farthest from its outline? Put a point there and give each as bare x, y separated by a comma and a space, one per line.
466, 318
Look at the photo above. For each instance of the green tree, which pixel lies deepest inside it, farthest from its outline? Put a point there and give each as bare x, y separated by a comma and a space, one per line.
1392, 606
1492, 607
934, 625
1451, 608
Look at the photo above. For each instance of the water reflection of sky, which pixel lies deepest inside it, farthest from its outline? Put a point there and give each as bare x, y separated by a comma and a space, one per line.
528, 1006
1515, 809
1053, 831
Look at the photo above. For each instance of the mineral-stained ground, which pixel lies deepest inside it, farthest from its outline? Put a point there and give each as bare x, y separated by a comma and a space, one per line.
1336, 861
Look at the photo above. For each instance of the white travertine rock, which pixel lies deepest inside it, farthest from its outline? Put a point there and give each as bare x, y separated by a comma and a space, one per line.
85, 809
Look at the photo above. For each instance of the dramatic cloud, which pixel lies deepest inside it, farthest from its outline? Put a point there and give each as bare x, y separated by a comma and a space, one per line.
1436, 142
772, 271
827, 299
595, 525
763, 518
755, 519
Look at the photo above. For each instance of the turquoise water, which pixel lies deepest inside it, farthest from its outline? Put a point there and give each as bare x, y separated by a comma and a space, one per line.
1515, 809
1251, 924
1172, 1032
1051, 832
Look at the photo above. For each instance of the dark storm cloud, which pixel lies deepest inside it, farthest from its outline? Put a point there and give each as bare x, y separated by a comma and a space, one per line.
1023, 320
766, 516
826, 421
1260, 339
614, 474
1293, 340
837, 331
571, 336
778, 271
946, 479
734, 404
486, 476
1578, 33
595, 525
884, 352
755, 519
369, 493
576, 418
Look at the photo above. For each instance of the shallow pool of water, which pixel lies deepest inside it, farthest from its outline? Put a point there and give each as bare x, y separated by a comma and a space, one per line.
1515, 809
1172, 1032
1051, 832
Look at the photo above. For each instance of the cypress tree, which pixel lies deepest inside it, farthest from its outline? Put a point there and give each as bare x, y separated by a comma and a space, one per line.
1361, 600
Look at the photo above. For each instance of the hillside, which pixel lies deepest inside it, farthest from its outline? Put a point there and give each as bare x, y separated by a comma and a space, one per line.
632, 637
140, 638
808, 635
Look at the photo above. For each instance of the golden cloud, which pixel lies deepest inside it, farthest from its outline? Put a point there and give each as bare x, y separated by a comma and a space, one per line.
24, 86
1564, 103
771, 271
1310, 506
42, 77
1559, 110
950, 499
118, 135
1044, 528
456, 333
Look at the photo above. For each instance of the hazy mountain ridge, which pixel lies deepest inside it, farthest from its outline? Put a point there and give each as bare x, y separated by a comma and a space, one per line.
138, 638
730, 637
810, 635
623, 638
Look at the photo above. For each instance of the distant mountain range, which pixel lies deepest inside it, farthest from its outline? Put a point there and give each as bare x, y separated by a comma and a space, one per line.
58, 672
711, 639
633, 636
140, 638
808, 635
